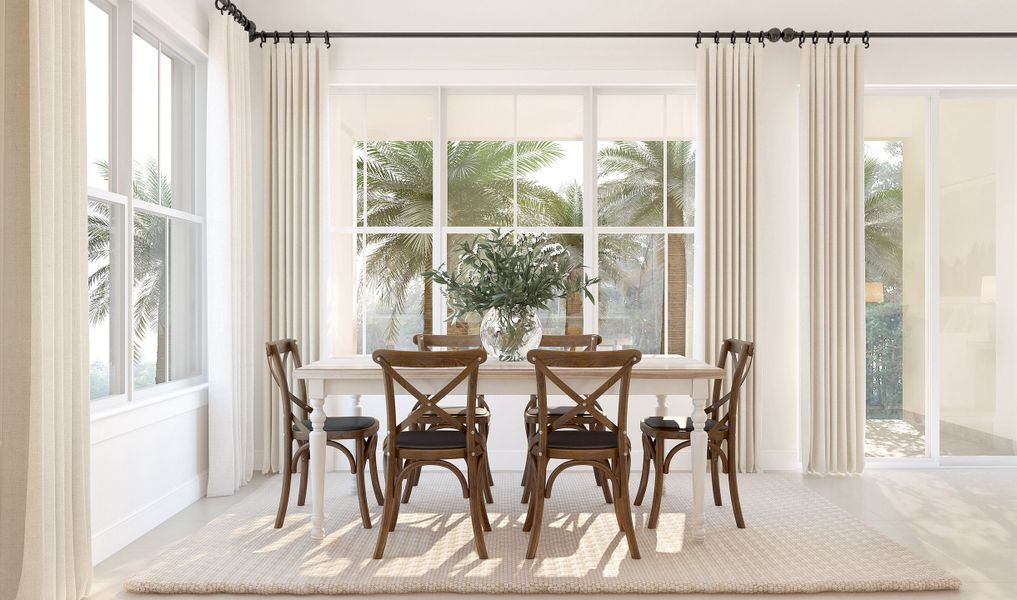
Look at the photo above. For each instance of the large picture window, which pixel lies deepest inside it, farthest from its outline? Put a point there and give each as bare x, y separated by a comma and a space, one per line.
416, 172
145, 233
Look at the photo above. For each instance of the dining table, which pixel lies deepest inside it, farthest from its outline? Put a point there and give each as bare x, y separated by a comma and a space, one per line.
659, 376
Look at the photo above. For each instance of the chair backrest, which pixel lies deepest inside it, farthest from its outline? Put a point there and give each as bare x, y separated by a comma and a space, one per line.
583, 341
741, 354
466, 361
279, 353
547, 361
430, 341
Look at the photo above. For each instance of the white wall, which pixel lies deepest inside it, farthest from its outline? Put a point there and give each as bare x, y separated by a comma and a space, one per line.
606, 62
149, 459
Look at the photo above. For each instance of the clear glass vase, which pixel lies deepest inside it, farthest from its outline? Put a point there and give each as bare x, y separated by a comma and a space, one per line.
509, 332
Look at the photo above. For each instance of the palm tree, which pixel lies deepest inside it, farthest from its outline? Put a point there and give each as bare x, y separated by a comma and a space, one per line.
630, 193
399, 178
884, 212
150, 238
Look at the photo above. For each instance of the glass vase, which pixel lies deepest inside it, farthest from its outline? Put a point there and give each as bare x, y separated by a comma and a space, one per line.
509, 332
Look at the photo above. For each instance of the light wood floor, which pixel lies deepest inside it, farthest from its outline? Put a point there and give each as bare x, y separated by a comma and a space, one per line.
964, 520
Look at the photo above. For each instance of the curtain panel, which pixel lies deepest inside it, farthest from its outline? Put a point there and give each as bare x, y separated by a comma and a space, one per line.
832, 155
296, 152
234, 352
728, 75
45, 542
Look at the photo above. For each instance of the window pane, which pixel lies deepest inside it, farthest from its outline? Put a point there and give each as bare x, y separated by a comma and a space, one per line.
481, 159
681, 183
97, 58
400, 167
167, 114
565, 316
167, 300
630, 183
631, 291
394, 300
549, 183
103, 305
145, 120
471, 323
895, 276
977, 285
345, 156
680, 264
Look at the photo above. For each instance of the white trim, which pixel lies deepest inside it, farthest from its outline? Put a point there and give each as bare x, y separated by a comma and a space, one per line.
130, 416
168, 212
100, 194
115, 537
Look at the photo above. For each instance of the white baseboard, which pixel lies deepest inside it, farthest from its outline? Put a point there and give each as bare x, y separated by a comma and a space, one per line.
112, 539
779, 460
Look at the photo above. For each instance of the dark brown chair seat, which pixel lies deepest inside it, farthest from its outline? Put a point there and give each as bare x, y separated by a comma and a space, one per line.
676, 423
343, 423
432, 439
568, 439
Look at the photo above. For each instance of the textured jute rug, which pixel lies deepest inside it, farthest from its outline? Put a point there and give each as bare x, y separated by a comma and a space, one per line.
795, 541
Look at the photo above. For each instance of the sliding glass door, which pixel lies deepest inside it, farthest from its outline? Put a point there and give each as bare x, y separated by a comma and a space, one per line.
941, 295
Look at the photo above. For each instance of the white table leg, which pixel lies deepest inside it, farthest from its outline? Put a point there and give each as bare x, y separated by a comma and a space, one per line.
357, 410
316, 392
699, 441
662, 410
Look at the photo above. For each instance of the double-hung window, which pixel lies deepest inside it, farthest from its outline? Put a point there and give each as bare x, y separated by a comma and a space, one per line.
145, 229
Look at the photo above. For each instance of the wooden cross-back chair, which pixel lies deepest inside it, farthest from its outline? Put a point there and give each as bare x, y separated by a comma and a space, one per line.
409, 447
606, 449
428, 342
587, 342
282, 355
721, 429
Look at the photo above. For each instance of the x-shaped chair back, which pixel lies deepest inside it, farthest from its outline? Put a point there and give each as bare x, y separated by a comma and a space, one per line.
468, 362
279, 353
741, 354
546, 361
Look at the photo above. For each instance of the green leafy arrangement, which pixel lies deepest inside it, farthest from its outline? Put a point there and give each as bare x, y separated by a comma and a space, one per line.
510, 270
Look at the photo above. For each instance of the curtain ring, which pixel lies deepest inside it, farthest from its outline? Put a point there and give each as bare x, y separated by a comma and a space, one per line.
220, 5
815, 37
865, 38
291, 36
801, 38
262, 44
276, 37
847, 37
733, 34
308, 36
328, 42
716, 37
762, 38
829, 37
748, 39
699, 38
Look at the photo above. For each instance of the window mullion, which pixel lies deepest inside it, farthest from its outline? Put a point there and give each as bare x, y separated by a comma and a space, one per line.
123, 175
591, 322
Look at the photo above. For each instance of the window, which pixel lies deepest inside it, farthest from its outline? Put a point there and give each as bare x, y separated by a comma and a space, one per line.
414, 173
145, 236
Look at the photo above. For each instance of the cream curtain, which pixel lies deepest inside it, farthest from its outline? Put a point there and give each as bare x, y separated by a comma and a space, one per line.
233, 375
45, 544
832, 150
296, 142
726, 163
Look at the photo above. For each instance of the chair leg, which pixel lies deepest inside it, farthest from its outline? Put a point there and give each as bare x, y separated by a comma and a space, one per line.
658, 482
605, 486
486, 480
305, 463
644, 475
284, 495
391, 504
538, 506
372, 455
399, 483
361, 460
475, 480
732, 483
714, 476
621, 501
527, 428
410, 482
531, 501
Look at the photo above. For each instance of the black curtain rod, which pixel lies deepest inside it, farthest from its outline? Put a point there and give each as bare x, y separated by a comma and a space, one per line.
774, 34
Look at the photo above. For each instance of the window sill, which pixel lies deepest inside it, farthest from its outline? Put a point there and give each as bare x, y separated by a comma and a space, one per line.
147, 410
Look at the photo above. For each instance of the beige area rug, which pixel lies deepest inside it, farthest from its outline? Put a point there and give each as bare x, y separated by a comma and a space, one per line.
796, 541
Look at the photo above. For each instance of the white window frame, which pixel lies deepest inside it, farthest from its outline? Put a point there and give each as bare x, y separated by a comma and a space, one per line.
126, 18
590, 229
